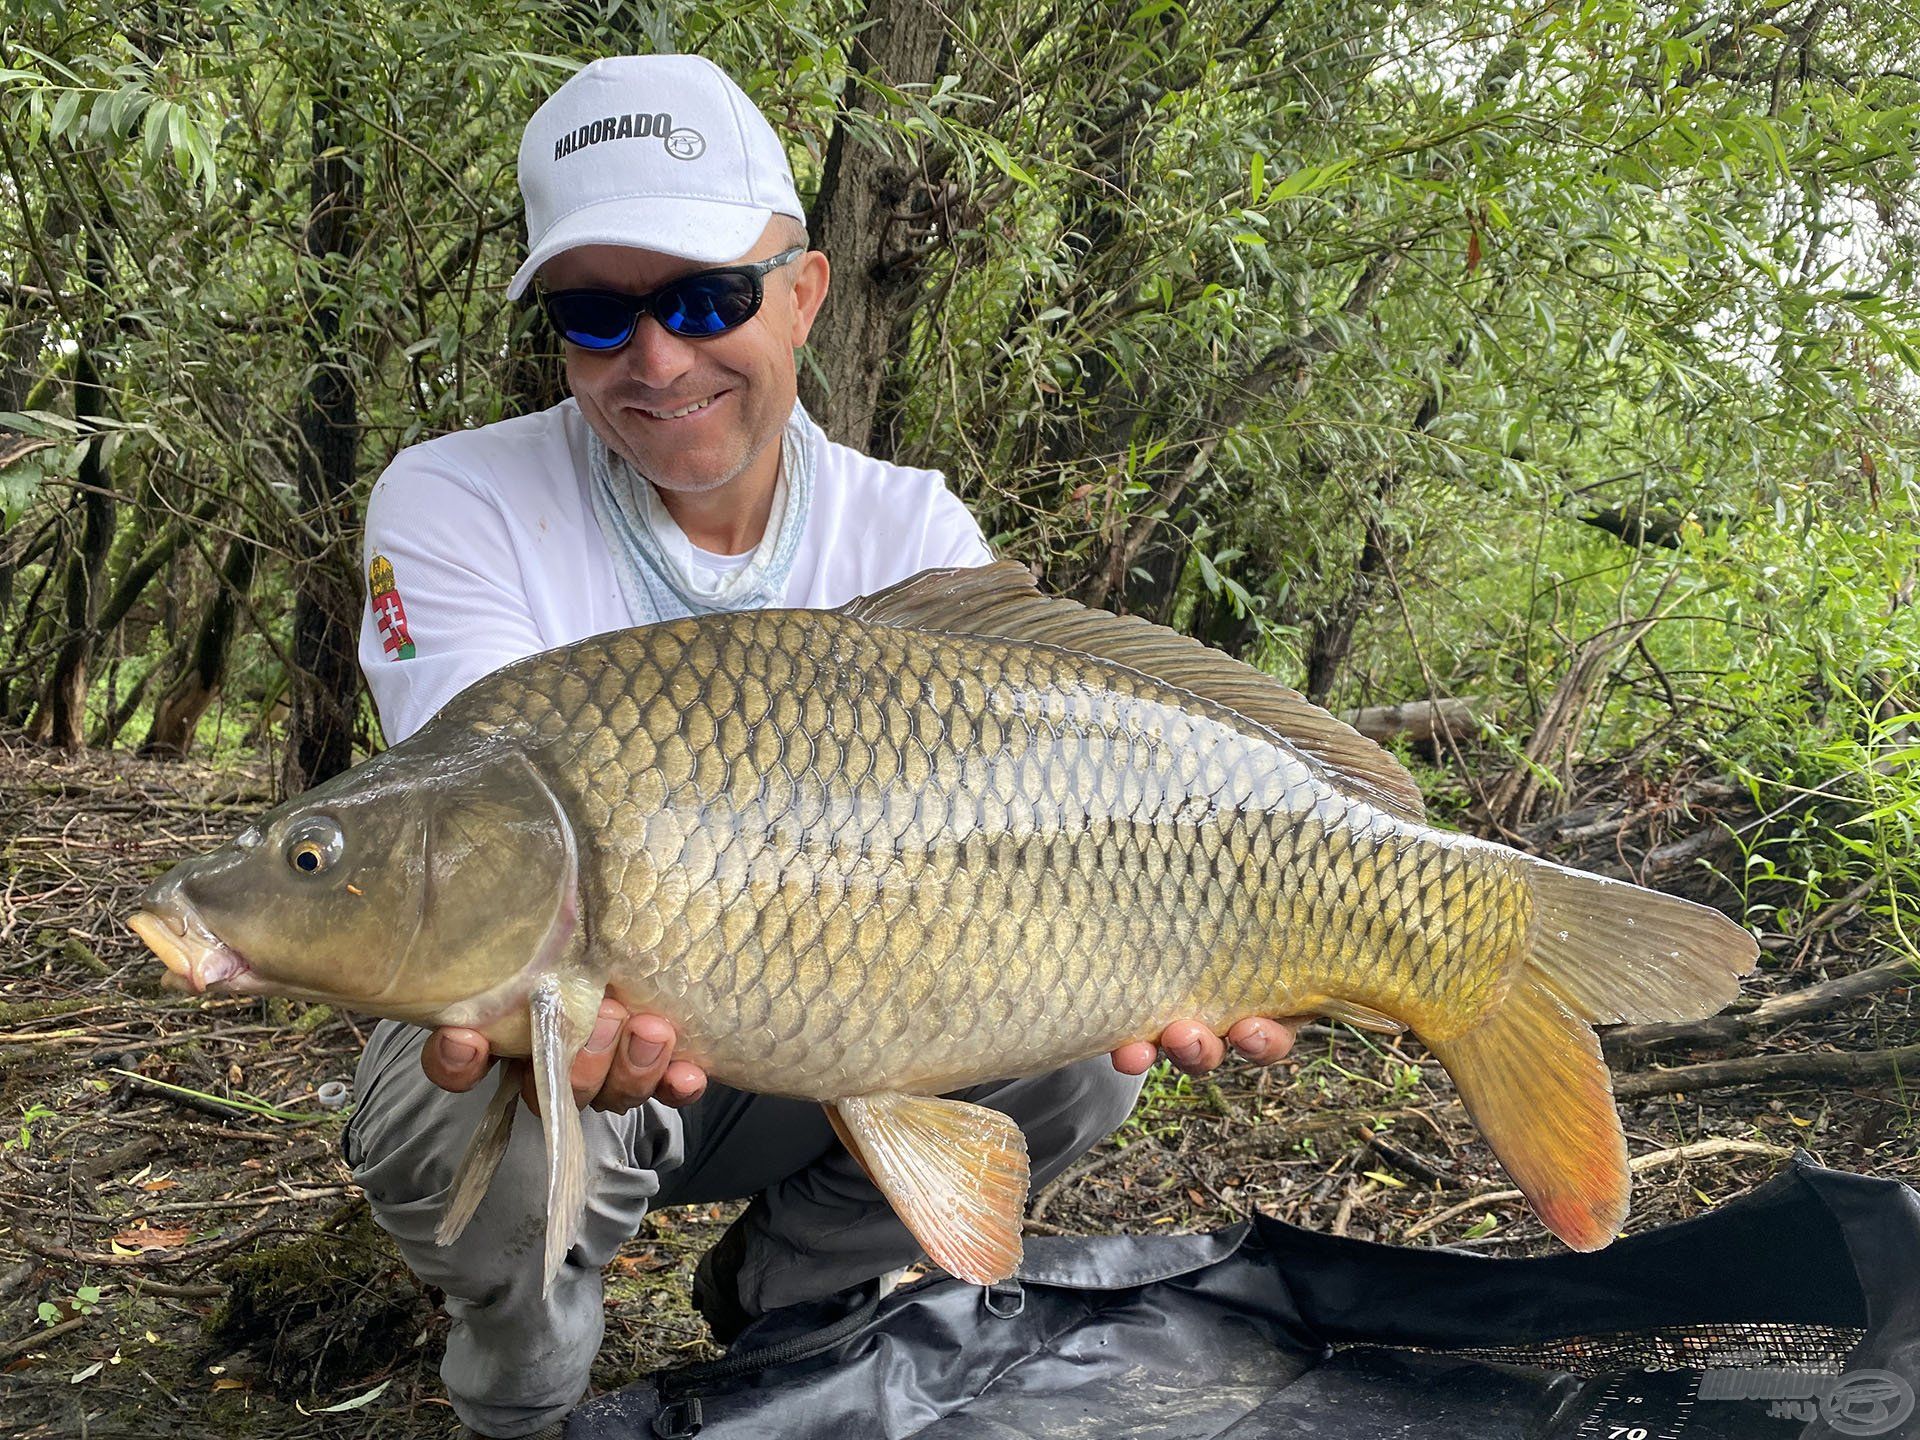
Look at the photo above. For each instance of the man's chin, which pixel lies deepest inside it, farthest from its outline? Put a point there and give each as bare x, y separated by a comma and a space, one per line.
685, 471
675, 483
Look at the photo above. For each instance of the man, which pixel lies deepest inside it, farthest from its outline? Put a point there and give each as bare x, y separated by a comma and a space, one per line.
682, 477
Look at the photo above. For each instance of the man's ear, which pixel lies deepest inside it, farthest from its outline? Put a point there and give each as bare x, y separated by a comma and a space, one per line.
811, 274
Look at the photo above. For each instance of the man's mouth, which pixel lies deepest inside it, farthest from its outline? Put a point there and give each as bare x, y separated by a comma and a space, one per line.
678, 412
196, 960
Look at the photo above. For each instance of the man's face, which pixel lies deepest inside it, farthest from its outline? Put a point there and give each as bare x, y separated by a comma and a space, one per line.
738, 387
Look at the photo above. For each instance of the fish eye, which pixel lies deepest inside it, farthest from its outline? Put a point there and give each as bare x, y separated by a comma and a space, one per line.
314, 845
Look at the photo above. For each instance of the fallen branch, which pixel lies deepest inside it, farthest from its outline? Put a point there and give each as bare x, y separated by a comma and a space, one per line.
145, 1286
145, 1258
1728, 1026
1754, 1069
213, 1104
16, 1279
1079, 1172
1420, 721
40, 1337
1405, 1160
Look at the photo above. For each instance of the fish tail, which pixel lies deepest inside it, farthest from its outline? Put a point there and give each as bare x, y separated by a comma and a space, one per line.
1530, 1070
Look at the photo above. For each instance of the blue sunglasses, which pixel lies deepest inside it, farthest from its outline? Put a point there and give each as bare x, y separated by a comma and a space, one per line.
707, 302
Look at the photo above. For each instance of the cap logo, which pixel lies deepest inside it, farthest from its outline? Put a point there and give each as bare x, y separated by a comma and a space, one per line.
684, 143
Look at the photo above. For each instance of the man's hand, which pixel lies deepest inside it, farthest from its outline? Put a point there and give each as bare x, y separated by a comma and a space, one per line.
627, 1060
1195, 1049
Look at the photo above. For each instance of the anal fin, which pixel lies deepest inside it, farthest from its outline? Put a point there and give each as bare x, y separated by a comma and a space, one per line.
484, 1150
955, 1173
1533, 1081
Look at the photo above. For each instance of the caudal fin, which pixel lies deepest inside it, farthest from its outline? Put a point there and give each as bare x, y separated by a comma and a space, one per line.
1530, 1071
1617, 952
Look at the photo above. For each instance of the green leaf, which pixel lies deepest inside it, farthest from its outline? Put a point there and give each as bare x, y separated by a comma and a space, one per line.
1005, 163
64, 109
1310, 178
1776, 147
45, 423
153, 131
1209, 575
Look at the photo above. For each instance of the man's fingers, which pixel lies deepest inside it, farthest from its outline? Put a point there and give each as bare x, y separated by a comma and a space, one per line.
683, 1084
1260, 1040
639, 1060
455, 1058
590, 1066
1192, 1047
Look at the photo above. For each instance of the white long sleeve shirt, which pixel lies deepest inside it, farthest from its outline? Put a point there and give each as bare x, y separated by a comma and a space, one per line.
481, 548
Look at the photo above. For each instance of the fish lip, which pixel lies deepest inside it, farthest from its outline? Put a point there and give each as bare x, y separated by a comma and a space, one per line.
196, 959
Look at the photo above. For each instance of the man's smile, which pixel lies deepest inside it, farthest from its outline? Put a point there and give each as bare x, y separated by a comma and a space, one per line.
680, 410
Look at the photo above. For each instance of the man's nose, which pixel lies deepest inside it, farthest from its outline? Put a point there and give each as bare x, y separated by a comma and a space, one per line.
656, 356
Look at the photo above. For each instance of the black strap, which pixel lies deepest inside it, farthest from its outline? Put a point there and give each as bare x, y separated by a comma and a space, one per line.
681, 1408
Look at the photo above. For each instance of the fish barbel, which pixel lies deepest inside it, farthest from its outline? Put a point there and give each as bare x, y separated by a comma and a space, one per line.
949, 833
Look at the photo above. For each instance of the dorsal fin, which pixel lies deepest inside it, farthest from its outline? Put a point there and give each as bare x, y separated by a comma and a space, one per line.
1003, 600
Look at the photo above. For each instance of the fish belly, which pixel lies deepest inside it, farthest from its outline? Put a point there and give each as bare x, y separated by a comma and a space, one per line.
845, 859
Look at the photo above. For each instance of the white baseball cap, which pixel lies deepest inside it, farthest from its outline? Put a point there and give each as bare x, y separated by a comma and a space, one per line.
659, 152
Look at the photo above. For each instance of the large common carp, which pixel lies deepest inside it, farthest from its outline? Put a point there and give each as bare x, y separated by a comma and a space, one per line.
949, 833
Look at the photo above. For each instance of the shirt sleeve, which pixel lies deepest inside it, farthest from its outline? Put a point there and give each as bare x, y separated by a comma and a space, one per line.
952, 536
446, 602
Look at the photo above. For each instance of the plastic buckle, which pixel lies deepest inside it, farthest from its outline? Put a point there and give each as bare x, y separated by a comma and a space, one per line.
679, 1421
1005, 1299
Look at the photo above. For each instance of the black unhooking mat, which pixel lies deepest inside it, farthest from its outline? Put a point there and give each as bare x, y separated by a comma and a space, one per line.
1788, 1314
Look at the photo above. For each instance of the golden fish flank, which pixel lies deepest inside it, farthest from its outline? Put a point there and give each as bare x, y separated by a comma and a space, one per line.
950, 833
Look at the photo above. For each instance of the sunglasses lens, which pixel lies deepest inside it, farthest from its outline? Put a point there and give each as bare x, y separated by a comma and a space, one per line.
706, 304
592, 321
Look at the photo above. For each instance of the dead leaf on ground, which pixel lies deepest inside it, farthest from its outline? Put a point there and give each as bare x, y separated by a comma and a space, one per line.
143, 1237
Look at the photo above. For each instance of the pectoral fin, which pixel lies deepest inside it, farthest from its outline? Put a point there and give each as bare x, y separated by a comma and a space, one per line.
558, 1033
482, 1159
955, 1173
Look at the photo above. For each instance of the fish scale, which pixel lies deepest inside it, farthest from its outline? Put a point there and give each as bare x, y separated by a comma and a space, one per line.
939, 902
950, 833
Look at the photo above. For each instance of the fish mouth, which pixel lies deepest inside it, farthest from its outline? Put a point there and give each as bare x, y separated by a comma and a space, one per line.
196, 959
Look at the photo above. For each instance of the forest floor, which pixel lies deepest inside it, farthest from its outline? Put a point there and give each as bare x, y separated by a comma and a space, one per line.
182, 1251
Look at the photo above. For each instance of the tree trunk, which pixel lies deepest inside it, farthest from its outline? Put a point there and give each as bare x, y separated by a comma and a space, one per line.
23, 335
187, 698
863, 192
107, 731
30, 628
1097, 232
139, 572
65, 708
325, 682
1332, 637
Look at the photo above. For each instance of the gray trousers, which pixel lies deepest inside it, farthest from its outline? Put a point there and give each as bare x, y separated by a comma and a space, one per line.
516, 1361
